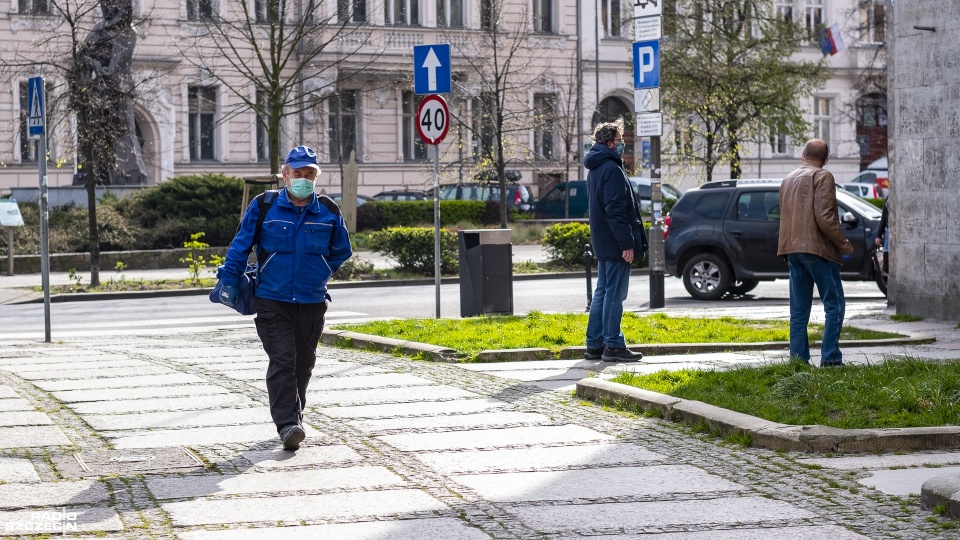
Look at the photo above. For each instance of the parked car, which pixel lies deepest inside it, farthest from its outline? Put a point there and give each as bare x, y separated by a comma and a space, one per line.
864, 191
401, 195
722, 237
876, 174
550, 206
519, 196
641, 186
361, 199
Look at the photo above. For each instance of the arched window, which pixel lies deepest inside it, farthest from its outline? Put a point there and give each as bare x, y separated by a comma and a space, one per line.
609, 110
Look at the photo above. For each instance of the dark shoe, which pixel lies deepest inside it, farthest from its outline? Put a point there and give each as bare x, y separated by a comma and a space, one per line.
620, 355
832, 364
292, 436
593, 354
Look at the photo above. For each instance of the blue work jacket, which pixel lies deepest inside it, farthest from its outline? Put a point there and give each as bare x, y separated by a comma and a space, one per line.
300, 251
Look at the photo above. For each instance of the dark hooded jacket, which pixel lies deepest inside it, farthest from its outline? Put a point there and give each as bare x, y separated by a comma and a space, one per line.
614, 213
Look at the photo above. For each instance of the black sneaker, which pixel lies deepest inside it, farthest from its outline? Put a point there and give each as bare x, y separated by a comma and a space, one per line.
832, 364
292, 436
620, 355
593, 354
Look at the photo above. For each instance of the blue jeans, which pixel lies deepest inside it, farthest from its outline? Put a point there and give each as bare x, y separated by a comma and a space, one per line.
806, 270
606, 309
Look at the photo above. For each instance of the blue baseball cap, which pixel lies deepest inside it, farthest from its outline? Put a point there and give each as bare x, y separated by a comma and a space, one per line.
302, 156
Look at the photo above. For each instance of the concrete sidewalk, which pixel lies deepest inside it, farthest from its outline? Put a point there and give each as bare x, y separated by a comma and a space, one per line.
169, 436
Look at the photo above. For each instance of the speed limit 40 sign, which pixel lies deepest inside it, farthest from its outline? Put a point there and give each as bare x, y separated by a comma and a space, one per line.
433, 119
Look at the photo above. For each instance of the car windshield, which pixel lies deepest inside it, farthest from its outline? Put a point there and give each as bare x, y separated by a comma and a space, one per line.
858, 204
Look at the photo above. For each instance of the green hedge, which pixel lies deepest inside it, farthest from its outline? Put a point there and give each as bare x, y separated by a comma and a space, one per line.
413, 248
377, 215
564, 243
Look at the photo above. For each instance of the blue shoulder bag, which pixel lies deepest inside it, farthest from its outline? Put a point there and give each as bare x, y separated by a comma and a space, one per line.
247, 287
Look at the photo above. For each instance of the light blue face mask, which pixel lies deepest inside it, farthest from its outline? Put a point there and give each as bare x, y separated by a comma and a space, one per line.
620, 147
301, 188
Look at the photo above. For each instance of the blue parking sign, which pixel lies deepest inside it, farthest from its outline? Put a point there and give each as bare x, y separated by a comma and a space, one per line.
431, 69
646, 64
36, 123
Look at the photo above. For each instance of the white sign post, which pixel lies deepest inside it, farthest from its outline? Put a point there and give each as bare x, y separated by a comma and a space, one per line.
433, 122
37, 129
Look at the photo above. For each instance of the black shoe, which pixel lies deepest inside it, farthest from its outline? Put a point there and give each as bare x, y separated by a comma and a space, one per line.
620, 355
292, 436
593, 354
832, 364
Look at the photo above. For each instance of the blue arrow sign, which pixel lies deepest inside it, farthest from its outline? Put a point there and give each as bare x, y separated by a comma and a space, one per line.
646, 64
431, 69
36, 123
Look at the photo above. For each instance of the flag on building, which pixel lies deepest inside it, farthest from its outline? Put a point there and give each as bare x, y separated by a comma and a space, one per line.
831, 42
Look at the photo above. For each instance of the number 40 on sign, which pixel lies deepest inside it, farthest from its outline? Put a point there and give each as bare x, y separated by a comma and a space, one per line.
433, 119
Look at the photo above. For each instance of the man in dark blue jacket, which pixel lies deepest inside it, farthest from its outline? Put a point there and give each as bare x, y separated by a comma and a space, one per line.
617, 237
302, 243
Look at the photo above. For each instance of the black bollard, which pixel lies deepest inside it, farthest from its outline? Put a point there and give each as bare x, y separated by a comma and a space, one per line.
587, 266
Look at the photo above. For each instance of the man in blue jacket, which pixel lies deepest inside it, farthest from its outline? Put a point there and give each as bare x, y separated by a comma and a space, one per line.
303, 241
617, 237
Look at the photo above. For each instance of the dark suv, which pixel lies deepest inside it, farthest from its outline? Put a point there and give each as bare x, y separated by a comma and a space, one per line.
722, 237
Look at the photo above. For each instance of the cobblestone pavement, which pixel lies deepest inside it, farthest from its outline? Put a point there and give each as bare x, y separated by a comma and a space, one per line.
148, 436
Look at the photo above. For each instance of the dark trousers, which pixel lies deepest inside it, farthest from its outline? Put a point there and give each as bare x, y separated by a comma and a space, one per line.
289, 333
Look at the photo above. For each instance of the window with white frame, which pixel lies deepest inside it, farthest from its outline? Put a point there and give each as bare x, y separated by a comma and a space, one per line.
202, 112
545, 121
813, 15
35, 7
779, 144
199, 10
343, 125
482, 114
263, 137
610, 11
783, 9
822, 118
414, 149
872, 18
353, 11
450, 13
401, 12
269, 11
543, 16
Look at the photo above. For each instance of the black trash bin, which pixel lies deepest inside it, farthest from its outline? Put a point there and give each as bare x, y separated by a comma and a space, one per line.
486, 272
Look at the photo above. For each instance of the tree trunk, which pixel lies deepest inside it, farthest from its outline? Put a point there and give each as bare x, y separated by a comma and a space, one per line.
93, 173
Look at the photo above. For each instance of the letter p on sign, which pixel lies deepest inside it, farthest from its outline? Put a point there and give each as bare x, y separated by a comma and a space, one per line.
646, 64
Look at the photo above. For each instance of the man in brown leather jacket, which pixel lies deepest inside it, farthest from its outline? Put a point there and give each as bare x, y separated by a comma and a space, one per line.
814, 246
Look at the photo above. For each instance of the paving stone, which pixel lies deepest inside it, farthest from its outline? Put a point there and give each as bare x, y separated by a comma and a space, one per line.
368, 381
825, 532
61, 521
245, 374
15, 404
406, 529
182, 419
885, 461
224, 359
202, 436
25, 418
452, 421
452, 406
533, 364
195, 352
169, 404
352, 478
306, 456
63, 493
291, 509
30, 436
73, 356
636, 516
484, 438
17, 470
556, 386
544, 374
597, 455
903, 482
174, 390
119, 382
595, 483
7, 392
65, 365
95, 373
384, 395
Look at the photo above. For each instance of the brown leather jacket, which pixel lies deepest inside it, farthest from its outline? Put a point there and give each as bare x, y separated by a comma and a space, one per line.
808, 215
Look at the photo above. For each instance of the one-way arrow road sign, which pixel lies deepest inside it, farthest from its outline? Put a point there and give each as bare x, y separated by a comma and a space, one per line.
431, 69
646, 8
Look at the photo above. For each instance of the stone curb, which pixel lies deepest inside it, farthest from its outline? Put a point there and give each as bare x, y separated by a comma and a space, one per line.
346, 338
773, 435
943, 489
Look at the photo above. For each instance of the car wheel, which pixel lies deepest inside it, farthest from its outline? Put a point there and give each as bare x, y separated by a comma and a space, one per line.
706, 277
743, 286
881, 279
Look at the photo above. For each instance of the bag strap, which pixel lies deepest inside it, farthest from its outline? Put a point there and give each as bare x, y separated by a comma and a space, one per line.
264, 202
329, 203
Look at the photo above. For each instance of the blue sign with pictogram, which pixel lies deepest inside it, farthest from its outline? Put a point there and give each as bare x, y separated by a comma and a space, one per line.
646, 64
431, 69
36, 123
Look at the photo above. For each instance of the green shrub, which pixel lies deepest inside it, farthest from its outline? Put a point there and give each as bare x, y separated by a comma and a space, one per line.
413, 248
376, 215
353, 269
564, 243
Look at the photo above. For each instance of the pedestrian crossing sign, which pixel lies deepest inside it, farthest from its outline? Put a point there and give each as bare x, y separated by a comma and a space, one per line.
36, 122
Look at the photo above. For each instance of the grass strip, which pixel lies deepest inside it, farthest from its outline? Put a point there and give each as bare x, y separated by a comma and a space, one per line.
556, 331
898, 392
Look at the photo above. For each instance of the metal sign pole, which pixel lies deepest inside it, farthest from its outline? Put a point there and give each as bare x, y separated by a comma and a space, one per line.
657, 265
436, 223
44, 237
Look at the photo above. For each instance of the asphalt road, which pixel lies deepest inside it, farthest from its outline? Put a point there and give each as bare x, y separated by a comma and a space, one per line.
196, 313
